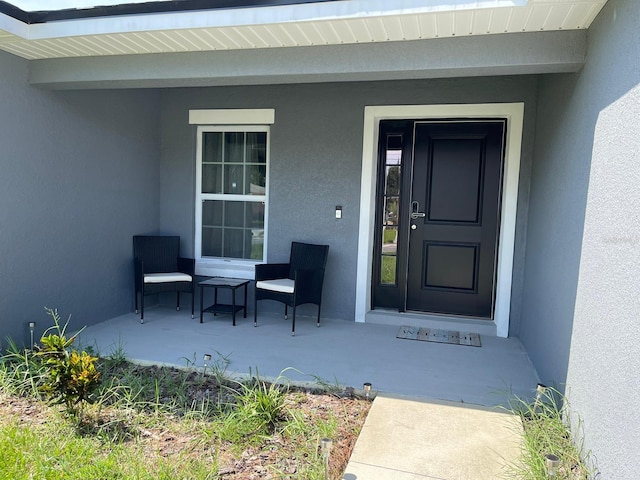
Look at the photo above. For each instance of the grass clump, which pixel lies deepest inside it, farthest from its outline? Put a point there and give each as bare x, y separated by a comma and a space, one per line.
22, 372
547, 430
258, 409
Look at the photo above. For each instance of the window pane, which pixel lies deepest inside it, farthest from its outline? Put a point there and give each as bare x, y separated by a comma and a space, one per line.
234, 242
257, 147
388, 270
211, 242
212, 213
255, 214
233, 177
394, 157
389, 240
391, 211
394, 142
212, 147
256, 179
233, 229
234, 214
212, 178
257, 244
234, 147
392, 182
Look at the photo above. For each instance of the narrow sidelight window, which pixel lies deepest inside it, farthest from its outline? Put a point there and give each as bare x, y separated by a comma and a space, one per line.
391, 204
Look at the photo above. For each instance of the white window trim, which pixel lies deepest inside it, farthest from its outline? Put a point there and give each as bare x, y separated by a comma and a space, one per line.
514, 113
227, 267
233, 116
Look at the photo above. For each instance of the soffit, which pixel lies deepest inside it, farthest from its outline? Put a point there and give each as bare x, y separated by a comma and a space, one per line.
331, 23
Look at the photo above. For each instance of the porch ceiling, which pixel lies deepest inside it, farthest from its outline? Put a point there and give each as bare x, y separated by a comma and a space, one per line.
329, 23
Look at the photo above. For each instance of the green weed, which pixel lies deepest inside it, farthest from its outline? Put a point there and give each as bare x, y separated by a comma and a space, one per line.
22, 372
547, 431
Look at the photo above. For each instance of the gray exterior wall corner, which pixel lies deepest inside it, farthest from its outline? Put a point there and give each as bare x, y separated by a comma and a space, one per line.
559, 180
607, 288
80, 177
581, 303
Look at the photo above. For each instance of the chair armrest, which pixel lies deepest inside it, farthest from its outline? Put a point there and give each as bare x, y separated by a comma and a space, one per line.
271, 271
187, 265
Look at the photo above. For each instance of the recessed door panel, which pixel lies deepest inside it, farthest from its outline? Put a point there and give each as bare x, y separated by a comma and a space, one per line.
455, 181
450, 267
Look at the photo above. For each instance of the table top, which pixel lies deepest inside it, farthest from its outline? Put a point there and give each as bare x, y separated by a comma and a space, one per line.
224, 282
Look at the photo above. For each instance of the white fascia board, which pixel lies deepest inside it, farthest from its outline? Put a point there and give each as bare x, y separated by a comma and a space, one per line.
254, 16
51, 5
13, 26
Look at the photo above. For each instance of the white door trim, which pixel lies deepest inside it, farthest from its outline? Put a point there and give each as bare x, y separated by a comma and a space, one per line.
514, 113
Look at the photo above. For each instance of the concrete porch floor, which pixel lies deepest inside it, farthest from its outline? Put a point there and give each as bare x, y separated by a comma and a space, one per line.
342, 352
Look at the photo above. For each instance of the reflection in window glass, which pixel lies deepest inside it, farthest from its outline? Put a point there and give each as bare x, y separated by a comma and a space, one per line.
233, 229
391, 205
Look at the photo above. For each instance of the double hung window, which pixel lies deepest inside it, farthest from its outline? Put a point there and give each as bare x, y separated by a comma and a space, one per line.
231, 198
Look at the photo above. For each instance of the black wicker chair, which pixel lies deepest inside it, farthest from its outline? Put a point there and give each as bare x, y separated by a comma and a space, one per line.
294, 283
159, 268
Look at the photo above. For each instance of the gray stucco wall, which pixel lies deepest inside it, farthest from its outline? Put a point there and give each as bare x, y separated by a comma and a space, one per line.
559, 181
582, 303
608, 297
79, 178
316, 155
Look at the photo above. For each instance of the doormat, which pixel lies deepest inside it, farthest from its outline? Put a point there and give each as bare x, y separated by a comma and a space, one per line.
439, 336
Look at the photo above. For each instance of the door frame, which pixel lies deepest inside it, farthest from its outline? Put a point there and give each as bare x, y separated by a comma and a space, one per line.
514, 114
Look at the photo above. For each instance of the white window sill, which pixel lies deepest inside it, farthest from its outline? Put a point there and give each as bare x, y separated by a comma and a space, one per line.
226, 268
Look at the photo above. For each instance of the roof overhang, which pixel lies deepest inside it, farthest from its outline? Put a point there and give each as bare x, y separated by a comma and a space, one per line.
257, 30
274, 24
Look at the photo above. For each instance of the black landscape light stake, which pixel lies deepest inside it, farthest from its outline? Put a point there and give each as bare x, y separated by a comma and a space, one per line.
540, 391
552, 462
207, 359
367, 390
32, 327
325, 449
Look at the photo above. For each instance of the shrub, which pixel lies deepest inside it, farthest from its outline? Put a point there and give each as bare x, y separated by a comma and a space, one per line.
71, 376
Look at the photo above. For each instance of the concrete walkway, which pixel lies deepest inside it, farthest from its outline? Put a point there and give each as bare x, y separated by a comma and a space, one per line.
432, 417
412, 439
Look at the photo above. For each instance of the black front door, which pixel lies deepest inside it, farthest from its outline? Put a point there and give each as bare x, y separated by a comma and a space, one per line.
449, 216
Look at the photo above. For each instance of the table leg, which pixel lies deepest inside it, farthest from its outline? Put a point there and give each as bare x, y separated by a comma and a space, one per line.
201, 293
245, 300
233, 305
215, 298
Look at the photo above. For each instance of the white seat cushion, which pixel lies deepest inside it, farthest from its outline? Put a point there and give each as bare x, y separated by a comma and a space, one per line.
284, 285
166, 277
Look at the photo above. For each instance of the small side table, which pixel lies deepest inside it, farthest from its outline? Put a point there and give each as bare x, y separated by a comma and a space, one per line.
229, 283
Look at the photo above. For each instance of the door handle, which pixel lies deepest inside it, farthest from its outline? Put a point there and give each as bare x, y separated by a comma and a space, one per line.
415, 213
